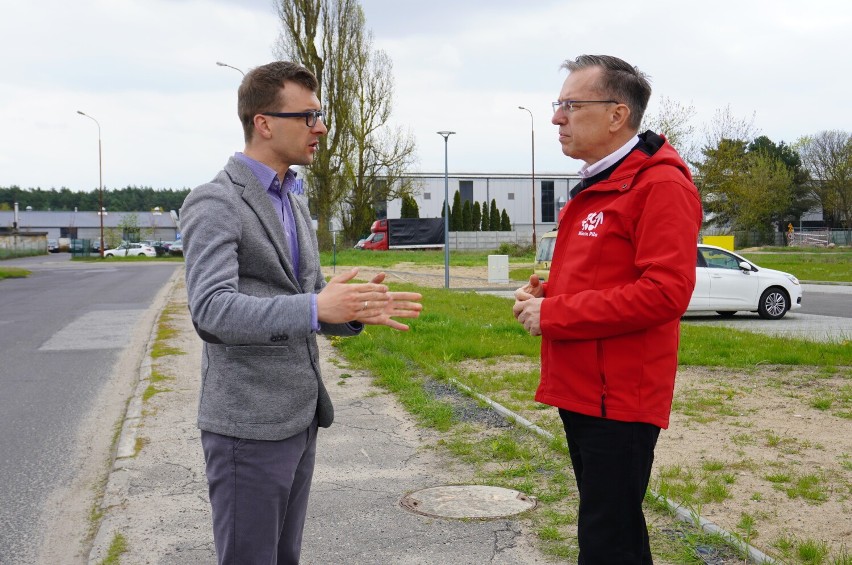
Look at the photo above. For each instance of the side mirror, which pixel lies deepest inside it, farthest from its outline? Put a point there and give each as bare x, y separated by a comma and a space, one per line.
745, 266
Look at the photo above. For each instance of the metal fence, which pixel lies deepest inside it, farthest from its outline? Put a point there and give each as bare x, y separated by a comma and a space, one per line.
819, 238
797, 238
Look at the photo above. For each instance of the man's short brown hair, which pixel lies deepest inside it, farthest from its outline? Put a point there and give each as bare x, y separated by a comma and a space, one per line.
620, 81
260, 90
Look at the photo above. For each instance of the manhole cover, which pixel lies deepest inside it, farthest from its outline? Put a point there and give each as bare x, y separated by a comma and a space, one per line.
468, 501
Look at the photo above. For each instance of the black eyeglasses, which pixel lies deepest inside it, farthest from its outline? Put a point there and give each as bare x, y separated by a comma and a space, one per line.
311, 116
567, 106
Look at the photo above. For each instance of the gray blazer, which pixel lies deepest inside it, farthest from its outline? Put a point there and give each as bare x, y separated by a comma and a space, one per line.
260, 363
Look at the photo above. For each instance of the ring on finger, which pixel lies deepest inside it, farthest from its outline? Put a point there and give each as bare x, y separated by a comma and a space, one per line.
365, 305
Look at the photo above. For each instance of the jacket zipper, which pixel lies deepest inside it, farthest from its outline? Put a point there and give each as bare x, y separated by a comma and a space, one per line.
603, 378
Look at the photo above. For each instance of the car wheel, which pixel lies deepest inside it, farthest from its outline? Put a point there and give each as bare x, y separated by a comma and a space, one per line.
108, 255
726, 313
774, 303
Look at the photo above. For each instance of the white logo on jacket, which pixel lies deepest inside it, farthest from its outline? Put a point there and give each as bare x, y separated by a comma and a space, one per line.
591, 223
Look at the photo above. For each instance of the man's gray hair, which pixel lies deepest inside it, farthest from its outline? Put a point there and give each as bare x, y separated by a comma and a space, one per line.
620, 81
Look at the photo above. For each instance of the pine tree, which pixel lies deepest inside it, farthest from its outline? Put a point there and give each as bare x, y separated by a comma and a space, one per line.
495, 217
486, 217
476, 217
467, 222
409, 207
456, 213
505, 223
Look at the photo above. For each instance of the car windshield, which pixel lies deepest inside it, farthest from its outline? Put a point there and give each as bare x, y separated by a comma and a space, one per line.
545, 249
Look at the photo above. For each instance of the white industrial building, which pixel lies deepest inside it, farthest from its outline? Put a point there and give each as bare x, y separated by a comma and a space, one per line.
512, 192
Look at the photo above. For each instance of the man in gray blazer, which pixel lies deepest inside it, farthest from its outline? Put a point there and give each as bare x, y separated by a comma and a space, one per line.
258, 300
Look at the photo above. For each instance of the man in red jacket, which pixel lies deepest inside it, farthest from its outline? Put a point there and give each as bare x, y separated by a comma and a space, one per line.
622, 275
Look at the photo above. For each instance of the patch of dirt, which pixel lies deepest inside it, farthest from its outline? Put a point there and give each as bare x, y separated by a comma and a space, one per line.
757, 434
791, 463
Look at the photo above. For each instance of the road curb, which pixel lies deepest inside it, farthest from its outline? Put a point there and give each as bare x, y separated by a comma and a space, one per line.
118, 480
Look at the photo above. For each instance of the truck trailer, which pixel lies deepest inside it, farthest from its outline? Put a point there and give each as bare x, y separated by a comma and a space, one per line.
406, 233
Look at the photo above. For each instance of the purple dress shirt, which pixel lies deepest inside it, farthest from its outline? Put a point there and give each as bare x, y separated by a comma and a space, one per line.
279, 196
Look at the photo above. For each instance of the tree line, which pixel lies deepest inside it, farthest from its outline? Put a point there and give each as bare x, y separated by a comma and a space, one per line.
130, 198
748, 182
465, 217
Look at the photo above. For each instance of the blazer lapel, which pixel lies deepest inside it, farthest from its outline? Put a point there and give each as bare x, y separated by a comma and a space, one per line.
307, 247
254, 195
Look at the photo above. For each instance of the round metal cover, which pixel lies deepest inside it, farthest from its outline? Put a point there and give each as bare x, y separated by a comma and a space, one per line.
468, 501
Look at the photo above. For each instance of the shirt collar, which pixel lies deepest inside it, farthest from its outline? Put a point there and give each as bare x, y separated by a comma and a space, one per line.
265, 174
587, 171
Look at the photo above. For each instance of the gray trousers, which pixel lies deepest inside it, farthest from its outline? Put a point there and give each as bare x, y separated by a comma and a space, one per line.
259, 496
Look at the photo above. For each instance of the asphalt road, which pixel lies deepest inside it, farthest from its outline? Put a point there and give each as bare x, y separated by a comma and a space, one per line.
827, 300
62, 331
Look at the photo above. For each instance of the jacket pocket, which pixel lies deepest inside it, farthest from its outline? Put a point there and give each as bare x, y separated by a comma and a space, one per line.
256, 351
268, 384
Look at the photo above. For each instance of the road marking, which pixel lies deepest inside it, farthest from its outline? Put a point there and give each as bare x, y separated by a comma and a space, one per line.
101, 329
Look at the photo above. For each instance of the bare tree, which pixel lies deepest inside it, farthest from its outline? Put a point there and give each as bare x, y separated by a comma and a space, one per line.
361, 160
673, 120
725, 125
828, 157
381, 155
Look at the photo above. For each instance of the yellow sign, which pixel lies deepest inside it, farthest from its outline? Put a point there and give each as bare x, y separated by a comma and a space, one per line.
723, 241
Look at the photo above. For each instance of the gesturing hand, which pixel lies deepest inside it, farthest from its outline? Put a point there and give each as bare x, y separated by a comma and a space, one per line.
400, 305
340, 302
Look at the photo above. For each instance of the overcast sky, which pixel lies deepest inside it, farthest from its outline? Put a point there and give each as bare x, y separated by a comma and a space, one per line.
145, 69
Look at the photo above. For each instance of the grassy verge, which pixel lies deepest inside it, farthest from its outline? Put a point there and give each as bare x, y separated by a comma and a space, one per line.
474, 339
117, 546
13, 273
162, 347
830, 265
388, 259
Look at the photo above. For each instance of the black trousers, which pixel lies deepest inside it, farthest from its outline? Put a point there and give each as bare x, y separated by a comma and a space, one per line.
612, 464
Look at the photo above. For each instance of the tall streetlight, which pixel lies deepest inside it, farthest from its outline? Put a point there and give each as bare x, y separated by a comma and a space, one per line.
221, 64
532, 142
101, 179
446, 135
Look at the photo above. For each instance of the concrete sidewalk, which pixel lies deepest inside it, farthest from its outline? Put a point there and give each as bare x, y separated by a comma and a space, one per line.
372, 456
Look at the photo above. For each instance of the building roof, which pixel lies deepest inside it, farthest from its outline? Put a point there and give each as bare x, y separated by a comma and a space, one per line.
66, 219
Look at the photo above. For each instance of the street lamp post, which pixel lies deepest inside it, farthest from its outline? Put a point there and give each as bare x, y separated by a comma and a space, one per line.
100, 180
532, 145
221, 64
446, 135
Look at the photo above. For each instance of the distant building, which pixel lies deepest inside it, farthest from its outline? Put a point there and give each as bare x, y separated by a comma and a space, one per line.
512, 192
156, 224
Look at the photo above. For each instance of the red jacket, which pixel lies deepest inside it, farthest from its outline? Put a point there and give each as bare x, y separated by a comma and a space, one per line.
622, 275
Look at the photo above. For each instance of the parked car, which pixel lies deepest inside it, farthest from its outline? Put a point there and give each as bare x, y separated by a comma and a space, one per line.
176, 248
131, 250
728, 283
52, 246
544, 254
725, 283
360, 244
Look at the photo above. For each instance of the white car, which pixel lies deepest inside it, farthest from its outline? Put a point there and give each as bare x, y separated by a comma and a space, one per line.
727, 283
131, 250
